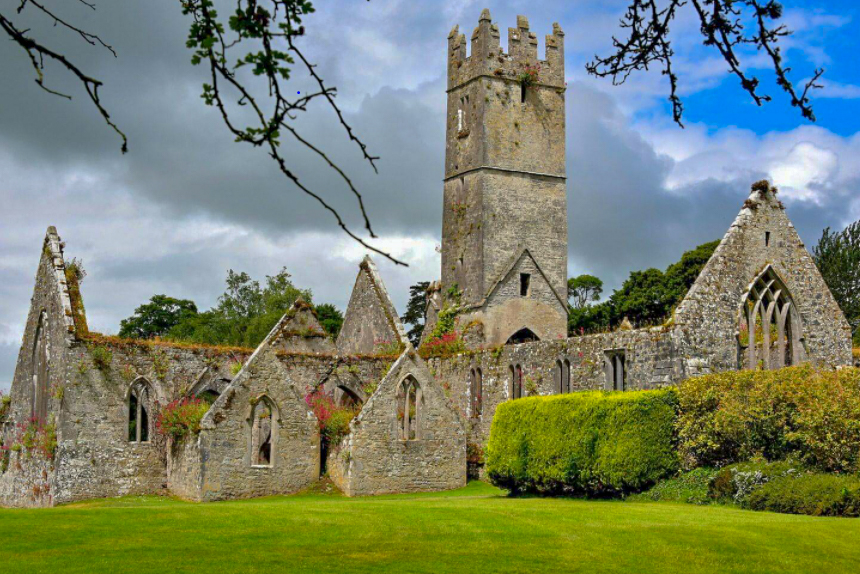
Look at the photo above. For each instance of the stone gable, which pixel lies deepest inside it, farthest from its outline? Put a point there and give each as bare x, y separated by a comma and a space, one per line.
370, 321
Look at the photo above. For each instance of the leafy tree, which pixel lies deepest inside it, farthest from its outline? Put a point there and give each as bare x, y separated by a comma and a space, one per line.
157, 318
837, 256
414, 315
584, 290
330, 318
245, 313
646, 297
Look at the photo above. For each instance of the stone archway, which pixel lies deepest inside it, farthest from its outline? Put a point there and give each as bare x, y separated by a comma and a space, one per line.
524, 335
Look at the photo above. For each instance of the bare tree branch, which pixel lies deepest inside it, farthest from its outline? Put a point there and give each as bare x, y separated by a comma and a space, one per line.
267, 24
37, 52
722, 24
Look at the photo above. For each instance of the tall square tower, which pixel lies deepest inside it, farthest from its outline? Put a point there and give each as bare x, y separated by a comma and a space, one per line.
504, 226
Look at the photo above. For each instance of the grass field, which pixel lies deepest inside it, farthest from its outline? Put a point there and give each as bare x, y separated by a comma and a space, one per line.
473, 530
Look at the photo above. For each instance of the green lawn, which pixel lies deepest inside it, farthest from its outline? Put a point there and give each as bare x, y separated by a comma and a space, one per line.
474, 530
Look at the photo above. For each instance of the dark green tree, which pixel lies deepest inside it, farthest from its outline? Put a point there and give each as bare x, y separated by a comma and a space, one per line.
646, 297
837, 256
584, 290
157, 317
414, 315
330, 318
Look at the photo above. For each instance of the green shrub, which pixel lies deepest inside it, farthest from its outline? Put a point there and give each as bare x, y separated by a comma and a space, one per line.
692, 487
814, 494
735, 483
594, 443
796, 411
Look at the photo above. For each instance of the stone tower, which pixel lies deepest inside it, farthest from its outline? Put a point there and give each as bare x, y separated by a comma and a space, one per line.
504, 227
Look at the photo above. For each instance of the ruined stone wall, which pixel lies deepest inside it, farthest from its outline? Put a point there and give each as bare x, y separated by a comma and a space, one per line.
708, 318
95, 456
50, 320
227, 469
650, 361
375, 459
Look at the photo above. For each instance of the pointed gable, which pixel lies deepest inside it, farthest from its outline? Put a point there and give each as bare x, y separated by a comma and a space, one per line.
371, 321
509, 284
761, 237
299, 331
408, 436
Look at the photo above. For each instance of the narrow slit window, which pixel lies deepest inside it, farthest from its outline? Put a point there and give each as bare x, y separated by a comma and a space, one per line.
525, 283
767, 238
522, 93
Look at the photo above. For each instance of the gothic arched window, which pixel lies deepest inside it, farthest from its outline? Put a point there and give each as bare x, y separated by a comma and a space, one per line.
264, 426
39, 392
139, 408
769, 330
409, 406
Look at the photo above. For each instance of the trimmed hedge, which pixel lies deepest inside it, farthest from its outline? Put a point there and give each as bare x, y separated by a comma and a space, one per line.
814, 494
594, 443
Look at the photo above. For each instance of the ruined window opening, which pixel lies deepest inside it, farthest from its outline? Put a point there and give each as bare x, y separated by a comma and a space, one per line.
558, 377
525, 283
39, 393
615, 368
522, 93
767, 238
476, 390
209, 396
262, 433
409, 406
138, 411
769, 331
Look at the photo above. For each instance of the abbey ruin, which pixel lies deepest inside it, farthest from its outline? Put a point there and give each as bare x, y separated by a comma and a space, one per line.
760, 302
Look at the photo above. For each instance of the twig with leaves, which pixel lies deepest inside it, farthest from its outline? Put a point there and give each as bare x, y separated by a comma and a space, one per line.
38, 52
271, 27
724, 25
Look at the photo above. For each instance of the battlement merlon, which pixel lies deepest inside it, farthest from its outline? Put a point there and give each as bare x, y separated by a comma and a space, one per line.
488, 59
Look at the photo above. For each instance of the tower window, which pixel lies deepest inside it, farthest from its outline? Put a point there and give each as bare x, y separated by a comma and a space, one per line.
766, 238
522, 93
525, 282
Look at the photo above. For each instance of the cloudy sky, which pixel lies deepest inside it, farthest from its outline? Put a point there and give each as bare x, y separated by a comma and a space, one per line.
187, 203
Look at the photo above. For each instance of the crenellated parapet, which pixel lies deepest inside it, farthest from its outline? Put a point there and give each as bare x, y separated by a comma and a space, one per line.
487, 58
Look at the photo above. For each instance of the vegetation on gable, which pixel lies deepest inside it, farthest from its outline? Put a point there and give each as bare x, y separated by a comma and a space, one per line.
74, 276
